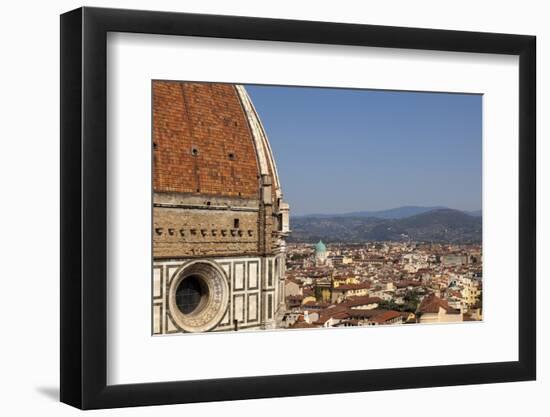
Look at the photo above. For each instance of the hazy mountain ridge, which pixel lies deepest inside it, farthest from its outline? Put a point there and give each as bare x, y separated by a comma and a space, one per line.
436, 225
393, 213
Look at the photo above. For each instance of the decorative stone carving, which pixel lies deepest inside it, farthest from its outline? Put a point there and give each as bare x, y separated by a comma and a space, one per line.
214, 302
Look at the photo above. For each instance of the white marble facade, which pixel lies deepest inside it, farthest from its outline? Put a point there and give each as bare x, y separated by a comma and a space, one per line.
256, 293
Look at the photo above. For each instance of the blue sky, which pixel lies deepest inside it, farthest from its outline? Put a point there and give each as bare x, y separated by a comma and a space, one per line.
341, 150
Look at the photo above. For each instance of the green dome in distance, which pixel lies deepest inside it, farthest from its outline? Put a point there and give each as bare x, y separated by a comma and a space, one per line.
320, 247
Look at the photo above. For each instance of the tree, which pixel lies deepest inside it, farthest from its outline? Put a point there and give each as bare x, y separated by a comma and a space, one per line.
412, 299
389, 305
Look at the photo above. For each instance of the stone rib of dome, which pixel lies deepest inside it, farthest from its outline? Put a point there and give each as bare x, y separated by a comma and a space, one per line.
263, 148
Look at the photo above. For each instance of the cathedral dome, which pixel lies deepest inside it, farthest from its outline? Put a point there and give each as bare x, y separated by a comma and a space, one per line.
208, 140
219, 221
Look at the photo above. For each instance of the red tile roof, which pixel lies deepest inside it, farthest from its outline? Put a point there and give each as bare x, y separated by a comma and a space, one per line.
431, 304
386, 316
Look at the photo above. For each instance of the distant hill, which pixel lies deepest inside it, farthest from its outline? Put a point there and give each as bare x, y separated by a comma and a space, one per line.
393, 213
476, 213
436, 225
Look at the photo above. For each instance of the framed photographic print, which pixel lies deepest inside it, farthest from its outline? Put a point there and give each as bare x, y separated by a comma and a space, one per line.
257, 208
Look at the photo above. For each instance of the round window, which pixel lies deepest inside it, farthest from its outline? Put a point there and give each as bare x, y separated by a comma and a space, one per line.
191, 294
198, 296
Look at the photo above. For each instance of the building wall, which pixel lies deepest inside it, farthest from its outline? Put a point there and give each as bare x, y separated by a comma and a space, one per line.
440, 317
255, 292
291, 288
210, 227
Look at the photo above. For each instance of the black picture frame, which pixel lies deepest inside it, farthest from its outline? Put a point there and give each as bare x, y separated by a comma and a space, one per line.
84, 207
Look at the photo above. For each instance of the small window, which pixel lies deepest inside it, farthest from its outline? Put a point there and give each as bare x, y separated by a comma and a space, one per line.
231, 156
194, 151
236, 224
